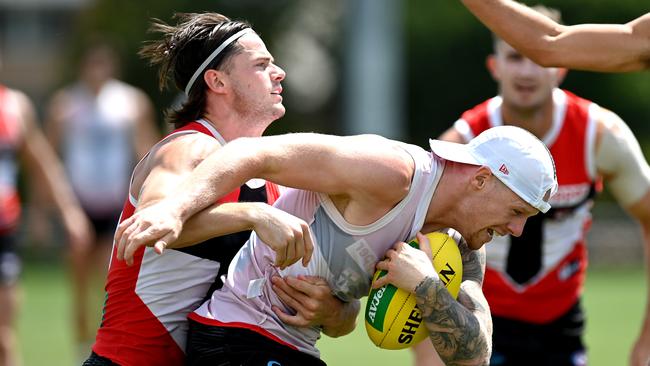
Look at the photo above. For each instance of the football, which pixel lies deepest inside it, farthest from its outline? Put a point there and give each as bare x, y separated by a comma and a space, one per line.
393, 321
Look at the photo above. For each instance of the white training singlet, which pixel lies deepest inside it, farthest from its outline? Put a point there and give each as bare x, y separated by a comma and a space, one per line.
344, 254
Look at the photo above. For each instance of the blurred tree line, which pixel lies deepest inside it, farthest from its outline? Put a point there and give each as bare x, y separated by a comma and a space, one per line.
445, 50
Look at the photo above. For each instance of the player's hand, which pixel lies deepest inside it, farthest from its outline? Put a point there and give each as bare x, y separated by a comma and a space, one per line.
311, 298
157, 226
407, 266
286, 234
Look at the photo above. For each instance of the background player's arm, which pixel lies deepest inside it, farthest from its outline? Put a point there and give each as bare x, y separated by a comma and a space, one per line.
43, 165
620, 161
597, 47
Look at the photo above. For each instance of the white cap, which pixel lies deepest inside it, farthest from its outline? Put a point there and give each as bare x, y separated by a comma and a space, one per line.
515, 156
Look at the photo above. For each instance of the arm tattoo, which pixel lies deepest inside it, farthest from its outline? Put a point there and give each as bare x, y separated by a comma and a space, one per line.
461, 331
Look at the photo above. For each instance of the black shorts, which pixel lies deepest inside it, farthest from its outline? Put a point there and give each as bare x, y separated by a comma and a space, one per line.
10, 263
97, 360
558, 343
225, 346
104, 225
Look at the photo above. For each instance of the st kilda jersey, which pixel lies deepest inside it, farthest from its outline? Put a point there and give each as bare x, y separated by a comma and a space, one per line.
537, 277
145, 314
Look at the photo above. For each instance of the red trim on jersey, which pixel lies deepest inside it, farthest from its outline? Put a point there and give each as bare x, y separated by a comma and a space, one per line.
551, 296
261, 331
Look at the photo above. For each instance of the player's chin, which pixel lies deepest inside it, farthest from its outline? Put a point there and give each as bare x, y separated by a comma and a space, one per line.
475, 242
279, 109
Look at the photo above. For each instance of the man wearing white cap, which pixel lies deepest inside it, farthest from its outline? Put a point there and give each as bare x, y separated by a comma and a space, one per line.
361, 196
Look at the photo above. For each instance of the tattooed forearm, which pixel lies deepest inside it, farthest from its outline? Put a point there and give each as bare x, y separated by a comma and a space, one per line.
459, 330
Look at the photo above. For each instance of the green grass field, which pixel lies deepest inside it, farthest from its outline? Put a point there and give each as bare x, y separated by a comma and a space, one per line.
614, 300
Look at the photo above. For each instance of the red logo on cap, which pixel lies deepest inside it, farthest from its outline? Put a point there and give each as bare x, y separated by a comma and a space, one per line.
504, 169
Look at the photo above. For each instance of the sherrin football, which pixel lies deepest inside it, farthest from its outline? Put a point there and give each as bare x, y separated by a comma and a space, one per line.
393, 321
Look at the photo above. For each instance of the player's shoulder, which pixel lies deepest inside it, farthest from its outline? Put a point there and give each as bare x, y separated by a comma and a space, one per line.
183, 147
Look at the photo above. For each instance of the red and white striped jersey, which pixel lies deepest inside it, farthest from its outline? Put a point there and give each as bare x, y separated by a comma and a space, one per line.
145, 313
558, 284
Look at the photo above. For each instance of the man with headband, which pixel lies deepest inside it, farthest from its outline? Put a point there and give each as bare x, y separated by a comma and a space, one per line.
233, 90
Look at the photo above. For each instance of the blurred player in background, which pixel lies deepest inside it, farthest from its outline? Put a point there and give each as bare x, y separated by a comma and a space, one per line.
101, 126
22, 145
533, 283
596, 47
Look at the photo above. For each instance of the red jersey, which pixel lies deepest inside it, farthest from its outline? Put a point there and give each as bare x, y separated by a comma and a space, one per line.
10, 139
145, 314
552, 290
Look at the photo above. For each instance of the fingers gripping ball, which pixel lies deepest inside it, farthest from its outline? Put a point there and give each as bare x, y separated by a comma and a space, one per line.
393, 320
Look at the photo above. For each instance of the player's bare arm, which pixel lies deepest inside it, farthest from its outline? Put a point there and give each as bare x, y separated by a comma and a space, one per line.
366, 174
597, 47
173, 161
364, 168
459, 331
620, 161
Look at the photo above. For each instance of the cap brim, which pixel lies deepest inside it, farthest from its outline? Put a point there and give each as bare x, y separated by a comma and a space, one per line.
453, 151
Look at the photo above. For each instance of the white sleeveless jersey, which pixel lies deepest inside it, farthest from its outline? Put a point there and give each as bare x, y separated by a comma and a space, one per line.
344, 254
97, 147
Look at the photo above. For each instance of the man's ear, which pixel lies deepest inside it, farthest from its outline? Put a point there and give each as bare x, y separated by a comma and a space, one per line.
215, 80
481, 177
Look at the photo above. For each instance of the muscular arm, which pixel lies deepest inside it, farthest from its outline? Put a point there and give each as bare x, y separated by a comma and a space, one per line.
371, 169
172, 161
460, 331
596, 47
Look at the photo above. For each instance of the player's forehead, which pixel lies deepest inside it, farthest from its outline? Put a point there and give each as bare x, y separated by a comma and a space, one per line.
253, 47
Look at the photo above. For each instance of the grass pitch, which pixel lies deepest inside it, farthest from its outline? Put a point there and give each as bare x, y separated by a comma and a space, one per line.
614, 301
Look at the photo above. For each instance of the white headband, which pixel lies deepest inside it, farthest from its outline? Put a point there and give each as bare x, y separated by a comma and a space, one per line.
214, 54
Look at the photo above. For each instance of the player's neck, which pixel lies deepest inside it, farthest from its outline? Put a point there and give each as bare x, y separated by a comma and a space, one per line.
536, 120
444, 206
232, 124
